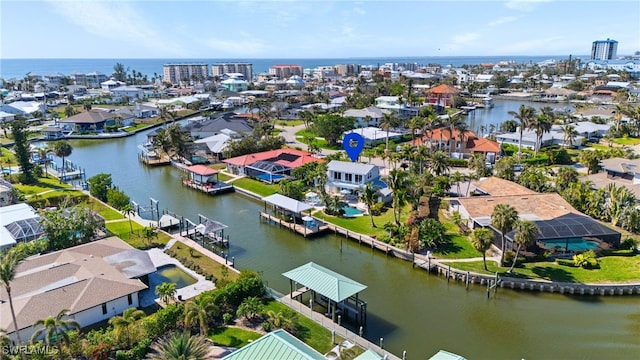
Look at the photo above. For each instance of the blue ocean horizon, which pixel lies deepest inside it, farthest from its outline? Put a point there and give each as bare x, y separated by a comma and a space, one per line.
18, 68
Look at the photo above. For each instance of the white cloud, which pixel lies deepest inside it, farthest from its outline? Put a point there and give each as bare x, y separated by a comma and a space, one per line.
524, 5
116, 21
503, 20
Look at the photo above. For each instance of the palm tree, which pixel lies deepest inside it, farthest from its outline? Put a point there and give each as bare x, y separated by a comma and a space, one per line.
166, 291
503, 218
524, 116
123, 325
62, 149
9, 262
481, 239
397, 183
180, 346
457, 177
370, 197
569, 132
199, 312
540, 124
526, 234
416, 123
43, 152
429, 122
462, 128
439, 163
128, 210
278, 320
56, 329
389, 120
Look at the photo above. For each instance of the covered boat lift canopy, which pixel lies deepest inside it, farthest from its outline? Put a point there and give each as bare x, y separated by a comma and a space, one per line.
287, 203
340, 292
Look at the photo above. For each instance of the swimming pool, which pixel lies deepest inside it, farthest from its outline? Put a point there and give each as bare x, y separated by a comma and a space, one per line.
270, 177
571, 244
351, 211
171, 274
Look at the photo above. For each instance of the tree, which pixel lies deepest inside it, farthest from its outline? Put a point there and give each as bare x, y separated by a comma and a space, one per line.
198, 312
524, 116
281, 320
62, 149
504, 168
56, 329
432, 233
66, 227
119, 72
397, 181
565, 176
570, 133
9, 262
370, 197
180, 346
331, 127
439, 163
117, 198
481, 239
389, 121
541, 124
124, 325
99, 185
503, 218
21, 148
166, 291
128, 210
534, 178
250, 308
526, 234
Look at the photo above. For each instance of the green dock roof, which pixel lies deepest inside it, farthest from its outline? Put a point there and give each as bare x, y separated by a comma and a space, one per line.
325, 282
277, 344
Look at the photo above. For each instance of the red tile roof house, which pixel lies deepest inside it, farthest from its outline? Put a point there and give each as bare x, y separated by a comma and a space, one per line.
269, 166
473, 144
441, 95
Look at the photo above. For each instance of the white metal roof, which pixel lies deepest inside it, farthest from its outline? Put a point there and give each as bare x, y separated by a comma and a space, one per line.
287, 203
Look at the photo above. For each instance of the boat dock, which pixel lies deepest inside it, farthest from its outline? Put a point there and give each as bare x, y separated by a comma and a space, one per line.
69, 172
301, 229
209, 188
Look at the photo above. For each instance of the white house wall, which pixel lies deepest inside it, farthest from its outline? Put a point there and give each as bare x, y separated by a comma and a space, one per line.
114, 308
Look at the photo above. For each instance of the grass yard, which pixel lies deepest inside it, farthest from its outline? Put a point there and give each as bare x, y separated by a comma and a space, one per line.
43, 184
310, 332
256, 186
207, 264
627, 141
460, 247
224, 177
233, 336
6, 156
362, 224
218, 166
105, 211
289, 122
617, 269
122, 229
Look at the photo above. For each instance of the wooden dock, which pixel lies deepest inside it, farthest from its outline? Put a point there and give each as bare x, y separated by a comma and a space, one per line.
299, 228
154, 161
210, 189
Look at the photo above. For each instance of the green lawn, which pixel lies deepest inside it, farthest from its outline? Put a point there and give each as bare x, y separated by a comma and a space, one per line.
106, 212
218, 166
289, 122
312, 333
224, 177
122, 229
207, 264
136, 127
460, 247
362, 224
6, 156
43, 184
256, 186
322, 143
612, 269
232, 336
627, 141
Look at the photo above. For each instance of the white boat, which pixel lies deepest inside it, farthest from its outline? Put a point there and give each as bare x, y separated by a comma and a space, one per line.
488, 102
227, 105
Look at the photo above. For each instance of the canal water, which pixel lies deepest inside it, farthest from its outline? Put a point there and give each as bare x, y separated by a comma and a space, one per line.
411, 310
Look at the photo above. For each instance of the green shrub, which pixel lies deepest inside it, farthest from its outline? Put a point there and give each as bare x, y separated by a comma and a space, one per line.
377, 208
540, 160
565, 262
227, 318
458, 163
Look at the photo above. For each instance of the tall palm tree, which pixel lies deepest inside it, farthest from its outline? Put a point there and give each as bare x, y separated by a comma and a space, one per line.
462, 128
523, 116
457, 177
569, 132
43, 153
397, 182
180, 346
430, 121
503, 218
9, 262
124, 325
62, 149
128, 210
56, 329
416, 123
526, 234
199, 312
370, 197
439, 163
389, 120
481, 239
541, 124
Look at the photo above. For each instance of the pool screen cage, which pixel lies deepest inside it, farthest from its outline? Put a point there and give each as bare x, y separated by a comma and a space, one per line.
268, 171
25, 230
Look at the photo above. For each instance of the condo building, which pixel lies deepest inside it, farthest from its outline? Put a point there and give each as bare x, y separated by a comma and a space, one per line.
220, 69
176, 73
604, 49
285, 71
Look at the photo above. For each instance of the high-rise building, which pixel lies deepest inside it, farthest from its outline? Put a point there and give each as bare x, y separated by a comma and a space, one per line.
285, 71
177, 73
245, 69
604, 49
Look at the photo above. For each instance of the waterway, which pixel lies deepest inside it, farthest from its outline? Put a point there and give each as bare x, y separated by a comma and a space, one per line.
410, 309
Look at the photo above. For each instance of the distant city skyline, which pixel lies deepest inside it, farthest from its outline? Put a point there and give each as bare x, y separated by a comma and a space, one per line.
254, 29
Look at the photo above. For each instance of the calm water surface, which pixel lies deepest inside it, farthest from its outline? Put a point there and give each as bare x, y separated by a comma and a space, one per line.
410, 309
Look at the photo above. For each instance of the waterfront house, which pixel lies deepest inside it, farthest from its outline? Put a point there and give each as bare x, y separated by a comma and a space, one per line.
396, 104
53, 133
557, 221
145, 111
530, 139
24, 108
131, 92
216, 145
347, 177
448, 140
270, 166
227, 123
18, 223
6, 117
93, 120
94, 281
369, 116
441, 95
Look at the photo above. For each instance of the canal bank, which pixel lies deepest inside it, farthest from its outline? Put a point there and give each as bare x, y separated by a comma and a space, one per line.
412, 310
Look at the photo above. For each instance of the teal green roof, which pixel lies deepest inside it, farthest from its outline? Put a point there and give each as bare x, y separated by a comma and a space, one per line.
276, 345
369, 355
445, 355
324, 281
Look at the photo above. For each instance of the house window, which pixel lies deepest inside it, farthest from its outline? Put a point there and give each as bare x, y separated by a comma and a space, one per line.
104, 308
348, 177
337, 176
130, 299
358, 179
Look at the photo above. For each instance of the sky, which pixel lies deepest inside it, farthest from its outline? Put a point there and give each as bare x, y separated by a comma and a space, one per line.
312, 29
